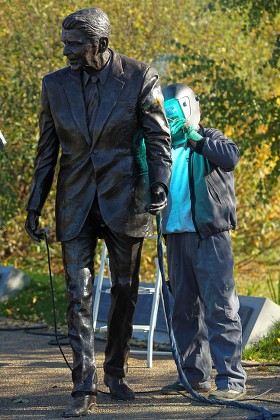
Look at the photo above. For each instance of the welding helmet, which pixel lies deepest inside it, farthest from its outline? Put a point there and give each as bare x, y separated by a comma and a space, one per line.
180, 101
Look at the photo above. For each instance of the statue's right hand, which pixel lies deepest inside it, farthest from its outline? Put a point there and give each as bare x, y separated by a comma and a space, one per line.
31, 226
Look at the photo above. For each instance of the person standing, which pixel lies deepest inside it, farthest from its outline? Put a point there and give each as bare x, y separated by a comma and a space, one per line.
96, 113
200, 213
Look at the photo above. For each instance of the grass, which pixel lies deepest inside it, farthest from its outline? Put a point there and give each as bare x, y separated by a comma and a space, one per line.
267, 349
34, 304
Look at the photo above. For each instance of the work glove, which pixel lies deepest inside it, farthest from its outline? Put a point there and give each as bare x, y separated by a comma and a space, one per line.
158, 199
187, 130
191, 133
177, 125
31, 226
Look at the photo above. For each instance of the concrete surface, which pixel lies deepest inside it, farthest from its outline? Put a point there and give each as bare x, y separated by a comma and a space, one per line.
35, 383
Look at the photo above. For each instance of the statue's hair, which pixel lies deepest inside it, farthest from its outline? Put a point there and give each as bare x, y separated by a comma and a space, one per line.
92, 21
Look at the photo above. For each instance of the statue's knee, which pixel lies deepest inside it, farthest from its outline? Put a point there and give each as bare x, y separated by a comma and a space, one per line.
122, 282
80, 283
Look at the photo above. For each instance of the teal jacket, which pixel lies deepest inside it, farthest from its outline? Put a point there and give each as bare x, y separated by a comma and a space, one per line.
211, 165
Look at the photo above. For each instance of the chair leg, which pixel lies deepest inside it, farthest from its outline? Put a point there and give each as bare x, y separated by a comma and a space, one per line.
98, 287
153, 318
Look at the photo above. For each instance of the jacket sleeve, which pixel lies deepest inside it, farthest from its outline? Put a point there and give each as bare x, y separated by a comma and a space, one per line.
218, 149
155, 129
46, 158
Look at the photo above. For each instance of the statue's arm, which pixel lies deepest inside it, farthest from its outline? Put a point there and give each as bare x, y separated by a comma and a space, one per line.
155, 130
46, 158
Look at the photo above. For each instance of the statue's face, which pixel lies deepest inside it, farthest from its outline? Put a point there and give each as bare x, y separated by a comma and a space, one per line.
80, 50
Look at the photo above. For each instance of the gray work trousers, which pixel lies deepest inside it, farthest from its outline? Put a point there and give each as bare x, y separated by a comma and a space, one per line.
205, 314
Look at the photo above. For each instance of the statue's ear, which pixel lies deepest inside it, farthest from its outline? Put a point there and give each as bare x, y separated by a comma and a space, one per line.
103, 44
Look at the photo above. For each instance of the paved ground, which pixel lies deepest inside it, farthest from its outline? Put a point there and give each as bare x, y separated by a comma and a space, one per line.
35, 384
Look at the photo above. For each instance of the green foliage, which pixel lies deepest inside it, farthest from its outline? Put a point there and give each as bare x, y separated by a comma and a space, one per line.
256, 9
257, 14
34, 302
274, 289
225, 50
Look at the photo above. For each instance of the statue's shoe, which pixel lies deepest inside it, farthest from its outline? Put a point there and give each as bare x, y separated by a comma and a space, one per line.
119, 389
80, 406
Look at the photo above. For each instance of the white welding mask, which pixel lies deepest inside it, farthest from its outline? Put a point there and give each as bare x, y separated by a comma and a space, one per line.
180, 101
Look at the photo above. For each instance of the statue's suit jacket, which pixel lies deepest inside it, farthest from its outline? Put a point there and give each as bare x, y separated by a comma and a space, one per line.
114, 162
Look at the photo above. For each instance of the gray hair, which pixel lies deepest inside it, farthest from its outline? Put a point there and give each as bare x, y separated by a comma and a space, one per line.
92, 21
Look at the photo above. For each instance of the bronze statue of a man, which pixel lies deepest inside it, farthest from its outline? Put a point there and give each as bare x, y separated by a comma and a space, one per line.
95, 113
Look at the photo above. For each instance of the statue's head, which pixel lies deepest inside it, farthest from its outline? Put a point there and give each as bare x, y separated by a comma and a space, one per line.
92, 22
85, 35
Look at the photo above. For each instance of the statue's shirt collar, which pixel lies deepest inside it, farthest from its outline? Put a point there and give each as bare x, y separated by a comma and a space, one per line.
101, 74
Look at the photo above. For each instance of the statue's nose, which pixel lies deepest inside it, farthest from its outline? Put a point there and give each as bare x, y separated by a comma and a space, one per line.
66, 50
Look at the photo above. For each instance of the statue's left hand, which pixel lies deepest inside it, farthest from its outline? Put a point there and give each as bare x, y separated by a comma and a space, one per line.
31, 226
158, 199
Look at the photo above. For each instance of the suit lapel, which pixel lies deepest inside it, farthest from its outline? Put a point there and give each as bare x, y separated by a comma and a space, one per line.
74, 92
110, 96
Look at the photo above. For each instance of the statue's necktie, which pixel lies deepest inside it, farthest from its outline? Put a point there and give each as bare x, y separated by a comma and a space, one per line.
92, 101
